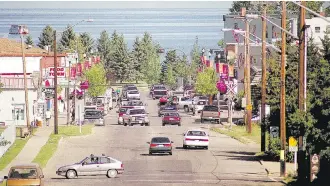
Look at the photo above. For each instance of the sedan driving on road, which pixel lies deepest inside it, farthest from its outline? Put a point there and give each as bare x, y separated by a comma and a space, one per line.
172, 118
196, 138
133, 94
160, 145
92, 166
136, 116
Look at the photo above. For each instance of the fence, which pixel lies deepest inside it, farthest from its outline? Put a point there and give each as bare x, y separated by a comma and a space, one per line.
8, 135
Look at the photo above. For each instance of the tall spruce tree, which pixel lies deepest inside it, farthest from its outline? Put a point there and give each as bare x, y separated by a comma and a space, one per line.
67, 36
138, 57
104, 48
170, 59
195, 60
46, 37
87, 42
29, 40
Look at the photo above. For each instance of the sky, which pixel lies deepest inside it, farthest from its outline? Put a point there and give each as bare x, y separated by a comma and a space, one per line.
116, 4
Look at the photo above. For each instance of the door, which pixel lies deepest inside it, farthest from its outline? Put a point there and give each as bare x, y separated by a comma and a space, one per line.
89, 167
104, 165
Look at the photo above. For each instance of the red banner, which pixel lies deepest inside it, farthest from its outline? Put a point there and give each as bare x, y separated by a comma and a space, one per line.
217, 67
225, 70
208, 63
73, 73
79, 69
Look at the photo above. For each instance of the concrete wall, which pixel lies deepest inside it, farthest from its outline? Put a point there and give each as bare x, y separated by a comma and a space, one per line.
18, 96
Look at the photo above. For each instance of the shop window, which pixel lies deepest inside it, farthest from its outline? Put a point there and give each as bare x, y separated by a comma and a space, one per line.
18, 114
317, 29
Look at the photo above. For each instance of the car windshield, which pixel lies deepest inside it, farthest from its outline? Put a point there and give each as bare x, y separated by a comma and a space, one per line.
131, 88
211, 108
173, 114
23, 173
123, 110
160, 92
133, 92
137, 111
92, 112
196, 133
136, 103
159, 88
160, 140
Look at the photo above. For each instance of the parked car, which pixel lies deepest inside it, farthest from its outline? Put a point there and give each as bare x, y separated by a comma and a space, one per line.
92, 166
121, 112
93, 116
136, 116
136, 104
157, 94
184, 103
172, 118
210, 113
160, 145
167, 108
198, 107
195, 138
133, 94
25, 174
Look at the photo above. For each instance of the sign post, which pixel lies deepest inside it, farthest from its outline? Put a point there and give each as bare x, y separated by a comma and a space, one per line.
293, 147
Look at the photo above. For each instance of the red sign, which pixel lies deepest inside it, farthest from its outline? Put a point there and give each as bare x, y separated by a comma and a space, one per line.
225, 71
84, 85
208, 63
217, 67
60, 72
79, 69
222, 87
73, 73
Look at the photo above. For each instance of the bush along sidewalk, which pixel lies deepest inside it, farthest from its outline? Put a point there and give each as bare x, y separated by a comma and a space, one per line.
48, 150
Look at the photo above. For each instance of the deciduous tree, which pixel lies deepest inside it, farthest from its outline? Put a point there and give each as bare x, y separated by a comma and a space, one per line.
206, 83
96, 76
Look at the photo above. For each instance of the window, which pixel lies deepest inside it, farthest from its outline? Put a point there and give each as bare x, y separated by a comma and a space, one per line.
160, 140
317, 29
196, 133
18, 114
104, 160
23, 173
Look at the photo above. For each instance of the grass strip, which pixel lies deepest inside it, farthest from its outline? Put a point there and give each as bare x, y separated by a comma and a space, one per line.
239, 133
12, 152
48, 150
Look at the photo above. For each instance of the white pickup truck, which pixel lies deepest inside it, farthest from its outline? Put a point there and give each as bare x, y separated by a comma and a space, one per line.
184, 103
198, 103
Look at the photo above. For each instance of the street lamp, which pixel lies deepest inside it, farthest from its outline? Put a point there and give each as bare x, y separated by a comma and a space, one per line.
55, 76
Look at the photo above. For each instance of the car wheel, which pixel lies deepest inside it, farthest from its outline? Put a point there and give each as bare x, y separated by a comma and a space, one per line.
159, 115
112, 173
142, 124
170, 153
202, 120
130, 124
218, 121
179, 124
150, 153
185, 146
147, 124
70, 174
125, 124
206, 148
186, 109
163, 124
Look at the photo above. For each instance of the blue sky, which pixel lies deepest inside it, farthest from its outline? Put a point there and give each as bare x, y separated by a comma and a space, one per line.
116, 4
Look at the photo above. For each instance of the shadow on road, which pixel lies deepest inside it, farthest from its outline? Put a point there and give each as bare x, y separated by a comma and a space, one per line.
240, 153
154, 154
190, 148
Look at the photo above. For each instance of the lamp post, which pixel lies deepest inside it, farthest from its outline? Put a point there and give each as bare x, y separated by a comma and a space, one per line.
55, 76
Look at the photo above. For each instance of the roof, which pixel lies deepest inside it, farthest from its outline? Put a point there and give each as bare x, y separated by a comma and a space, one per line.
8, 46
26, 165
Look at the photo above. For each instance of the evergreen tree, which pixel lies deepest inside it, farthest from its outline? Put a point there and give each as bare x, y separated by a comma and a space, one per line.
104, 48
46, 37
87, 42
137, 60
195, 60
67, 36
170, 59
76, 45
170, 79
29, 40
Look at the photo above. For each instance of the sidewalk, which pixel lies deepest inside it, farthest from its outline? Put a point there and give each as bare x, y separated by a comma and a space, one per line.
273, 168
33, 146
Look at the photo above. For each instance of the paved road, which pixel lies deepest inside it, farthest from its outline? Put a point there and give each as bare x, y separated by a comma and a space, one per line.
227, 162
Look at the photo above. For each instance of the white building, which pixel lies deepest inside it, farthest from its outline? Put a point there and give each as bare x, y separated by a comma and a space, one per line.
317, 29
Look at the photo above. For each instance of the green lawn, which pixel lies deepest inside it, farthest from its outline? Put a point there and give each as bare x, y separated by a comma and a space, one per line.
239, 133
48, 150
12, 152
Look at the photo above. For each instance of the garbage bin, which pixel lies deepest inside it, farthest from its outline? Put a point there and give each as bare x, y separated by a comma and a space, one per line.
39, 123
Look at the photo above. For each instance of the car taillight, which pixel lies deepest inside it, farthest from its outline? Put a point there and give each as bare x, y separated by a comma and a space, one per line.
189, 139
219, 114
203, 140
122, 166
121, 114
153, 145
167, 145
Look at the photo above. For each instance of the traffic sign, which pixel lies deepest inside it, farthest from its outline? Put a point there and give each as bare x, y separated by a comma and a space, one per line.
231, 86
274, 131
248, 107
293, 144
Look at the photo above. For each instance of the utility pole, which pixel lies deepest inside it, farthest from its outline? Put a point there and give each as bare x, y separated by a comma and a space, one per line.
248, 78
27, 112
67, 97
302, 106
55, 87
282, 108
263, 84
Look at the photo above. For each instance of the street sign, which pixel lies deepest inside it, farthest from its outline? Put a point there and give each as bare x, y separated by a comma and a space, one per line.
274, 131
315, 166
293, 144
60, 72
18, 29
64, 83
231, 86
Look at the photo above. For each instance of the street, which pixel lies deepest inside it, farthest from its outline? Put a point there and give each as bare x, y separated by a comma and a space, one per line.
227, 162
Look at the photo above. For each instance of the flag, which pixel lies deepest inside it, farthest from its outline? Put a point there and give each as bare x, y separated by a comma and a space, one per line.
231, 71
79, 69
217, 67
73, 72
207, 63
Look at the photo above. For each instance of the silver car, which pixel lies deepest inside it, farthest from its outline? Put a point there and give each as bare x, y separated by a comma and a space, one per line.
92, 166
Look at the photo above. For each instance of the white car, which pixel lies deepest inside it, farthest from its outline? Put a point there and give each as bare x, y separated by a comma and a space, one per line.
134, 94
196, 138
